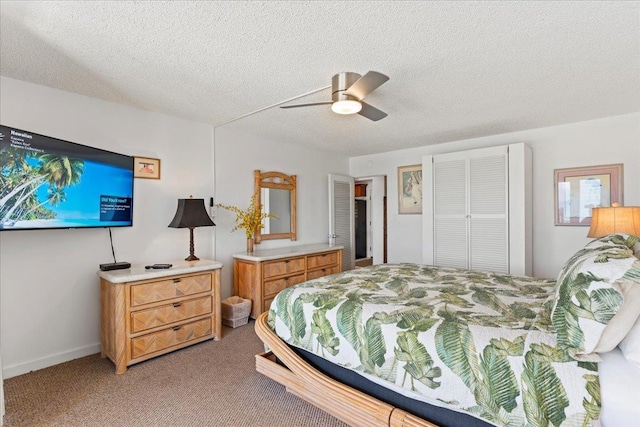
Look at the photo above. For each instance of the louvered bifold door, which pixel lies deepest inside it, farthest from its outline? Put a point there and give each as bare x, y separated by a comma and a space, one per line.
450, 211
488, 213
341, 217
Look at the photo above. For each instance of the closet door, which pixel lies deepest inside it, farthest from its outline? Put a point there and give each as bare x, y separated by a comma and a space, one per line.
488, 210
450, 232
341, 217
470, 218
477, 209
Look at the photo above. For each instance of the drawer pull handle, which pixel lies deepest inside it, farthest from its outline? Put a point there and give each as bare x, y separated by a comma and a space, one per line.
286, 261
176, 328
176, 280
177, 304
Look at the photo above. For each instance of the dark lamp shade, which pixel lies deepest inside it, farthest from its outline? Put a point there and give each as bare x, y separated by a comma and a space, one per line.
623, 219
191, 213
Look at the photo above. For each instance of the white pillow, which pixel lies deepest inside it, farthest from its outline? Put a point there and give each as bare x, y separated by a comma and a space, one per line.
630, 345
598, 297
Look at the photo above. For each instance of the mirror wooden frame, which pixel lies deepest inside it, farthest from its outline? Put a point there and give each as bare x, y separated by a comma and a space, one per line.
280, 181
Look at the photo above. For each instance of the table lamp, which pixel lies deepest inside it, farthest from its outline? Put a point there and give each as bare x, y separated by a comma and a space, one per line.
191, 213
615, 219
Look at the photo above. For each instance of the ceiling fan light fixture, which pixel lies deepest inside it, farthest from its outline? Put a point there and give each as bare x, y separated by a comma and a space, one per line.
346, 106
348, 92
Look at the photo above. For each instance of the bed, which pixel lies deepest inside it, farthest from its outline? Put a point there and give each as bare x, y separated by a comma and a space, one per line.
461, 347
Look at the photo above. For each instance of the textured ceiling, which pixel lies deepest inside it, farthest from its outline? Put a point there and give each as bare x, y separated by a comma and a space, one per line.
457, 69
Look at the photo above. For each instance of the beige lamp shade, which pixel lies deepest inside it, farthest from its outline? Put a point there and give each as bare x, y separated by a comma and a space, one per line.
623, 219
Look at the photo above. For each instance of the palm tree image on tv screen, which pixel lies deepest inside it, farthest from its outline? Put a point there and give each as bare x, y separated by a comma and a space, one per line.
50, 183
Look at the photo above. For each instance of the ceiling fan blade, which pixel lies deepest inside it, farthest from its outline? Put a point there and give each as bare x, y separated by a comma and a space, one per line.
306, 105
366, 84
371, 113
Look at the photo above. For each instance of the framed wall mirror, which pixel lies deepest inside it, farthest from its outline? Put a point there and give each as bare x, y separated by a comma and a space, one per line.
276, 193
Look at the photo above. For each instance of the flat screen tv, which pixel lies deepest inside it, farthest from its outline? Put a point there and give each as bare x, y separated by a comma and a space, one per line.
50, 183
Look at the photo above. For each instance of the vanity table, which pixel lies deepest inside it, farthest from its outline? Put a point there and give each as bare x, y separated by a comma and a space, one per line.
146, 313
259, 276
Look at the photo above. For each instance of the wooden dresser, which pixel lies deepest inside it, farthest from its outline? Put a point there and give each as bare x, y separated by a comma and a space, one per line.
259, 276
146, 313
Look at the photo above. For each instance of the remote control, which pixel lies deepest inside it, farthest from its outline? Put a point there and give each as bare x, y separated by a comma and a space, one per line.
162, 266
158, 266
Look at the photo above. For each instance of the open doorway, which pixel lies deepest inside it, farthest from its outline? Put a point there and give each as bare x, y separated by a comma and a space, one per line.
370, 220
342, 222
362, 220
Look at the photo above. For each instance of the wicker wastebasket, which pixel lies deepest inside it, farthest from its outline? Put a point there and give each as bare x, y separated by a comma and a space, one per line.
235, 311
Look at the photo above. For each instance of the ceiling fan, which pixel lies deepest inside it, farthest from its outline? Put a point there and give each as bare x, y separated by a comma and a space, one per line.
347, 92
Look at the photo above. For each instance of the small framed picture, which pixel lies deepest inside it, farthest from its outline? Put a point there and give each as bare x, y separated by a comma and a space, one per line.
145, 167
410, 189
577, 190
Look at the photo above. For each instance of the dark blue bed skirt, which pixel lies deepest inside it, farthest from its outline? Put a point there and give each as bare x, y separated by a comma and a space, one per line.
434, 414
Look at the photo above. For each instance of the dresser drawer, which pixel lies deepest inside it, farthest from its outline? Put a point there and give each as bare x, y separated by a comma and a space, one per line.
161, 340
322, 272
272, 287
321, 260
279, 268
170, 313
163, 290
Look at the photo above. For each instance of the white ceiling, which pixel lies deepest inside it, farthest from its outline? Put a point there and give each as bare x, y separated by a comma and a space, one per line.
457, 69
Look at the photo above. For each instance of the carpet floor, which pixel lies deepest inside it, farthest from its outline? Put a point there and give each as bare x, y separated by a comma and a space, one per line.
209, 384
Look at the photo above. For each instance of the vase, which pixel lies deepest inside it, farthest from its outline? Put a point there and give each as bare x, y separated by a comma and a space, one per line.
250, 245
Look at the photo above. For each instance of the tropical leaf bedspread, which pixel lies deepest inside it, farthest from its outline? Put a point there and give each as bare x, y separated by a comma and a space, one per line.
475, 342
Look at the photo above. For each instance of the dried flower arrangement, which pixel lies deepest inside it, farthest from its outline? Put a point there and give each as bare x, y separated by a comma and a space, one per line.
250, 219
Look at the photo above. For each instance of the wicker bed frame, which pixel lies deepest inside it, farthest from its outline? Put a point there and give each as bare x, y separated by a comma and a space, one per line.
349, 405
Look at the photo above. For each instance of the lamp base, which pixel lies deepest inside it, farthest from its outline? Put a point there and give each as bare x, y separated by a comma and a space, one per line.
191, 256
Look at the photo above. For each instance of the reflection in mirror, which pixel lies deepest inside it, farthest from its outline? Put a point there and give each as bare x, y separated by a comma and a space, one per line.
276, 192
276, 202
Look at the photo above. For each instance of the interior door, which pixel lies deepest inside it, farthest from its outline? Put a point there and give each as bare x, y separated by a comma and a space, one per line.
488, 211
341, 217
450, 234
468, 222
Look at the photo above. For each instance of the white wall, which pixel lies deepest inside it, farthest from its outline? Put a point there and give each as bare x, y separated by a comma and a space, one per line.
50, 305
237, 155
596, 142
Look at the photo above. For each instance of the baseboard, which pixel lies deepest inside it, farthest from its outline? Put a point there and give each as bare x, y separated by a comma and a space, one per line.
44, 362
